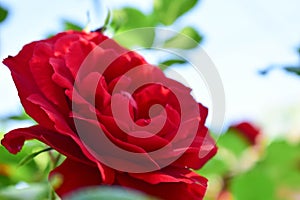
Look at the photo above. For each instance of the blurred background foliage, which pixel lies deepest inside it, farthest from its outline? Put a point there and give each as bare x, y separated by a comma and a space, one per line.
293, 69
243, 169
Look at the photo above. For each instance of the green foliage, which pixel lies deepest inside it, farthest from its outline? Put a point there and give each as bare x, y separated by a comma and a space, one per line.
277, 171
253, 185
39, 191
292, 69
3, 14
13, 173
164, 13
233, 142
192, 33
274, 175
217, 165
107, 193
282, 163
129, 18
134, 39
168, 11
106, 21
68, 25
21, 179
30, 157
183, 39
167, 63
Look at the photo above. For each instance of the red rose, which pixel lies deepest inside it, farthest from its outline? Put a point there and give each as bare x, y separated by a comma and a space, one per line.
96, 103
248, 131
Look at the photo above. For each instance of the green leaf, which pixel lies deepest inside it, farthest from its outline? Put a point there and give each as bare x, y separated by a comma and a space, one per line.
30, 157
68, 25
130, 18
9, 158
107, 20
276, 172
31, 172
254, 184
192, 33
233, 142
106, 23
131, 26
167, 11
3, 14
187, 38
293, 69
142, 37
214, 166
282, 160
107, 193
173, 61
167, 63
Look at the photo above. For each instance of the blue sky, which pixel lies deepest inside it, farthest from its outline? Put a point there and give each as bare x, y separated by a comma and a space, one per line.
241, 37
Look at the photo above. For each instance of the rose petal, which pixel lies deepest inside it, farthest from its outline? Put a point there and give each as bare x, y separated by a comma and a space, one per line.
153, 94
199, 152
78, 51
166, 190
62, 75
75, 175
170, 174
71, 147
148, 144
61, 123
106, 147
25, 84
42, 73
107, 173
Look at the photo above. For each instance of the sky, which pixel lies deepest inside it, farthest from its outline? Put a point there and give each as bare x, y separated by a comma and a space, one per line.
240, 36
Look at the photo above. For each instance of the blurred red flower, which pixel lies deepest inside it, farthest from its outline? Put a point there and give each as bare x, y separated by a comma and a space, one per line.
248, 131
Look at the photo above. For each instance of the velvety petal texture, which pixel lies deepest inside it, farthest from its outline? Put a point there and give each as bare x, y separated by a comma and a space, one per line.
76, 85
